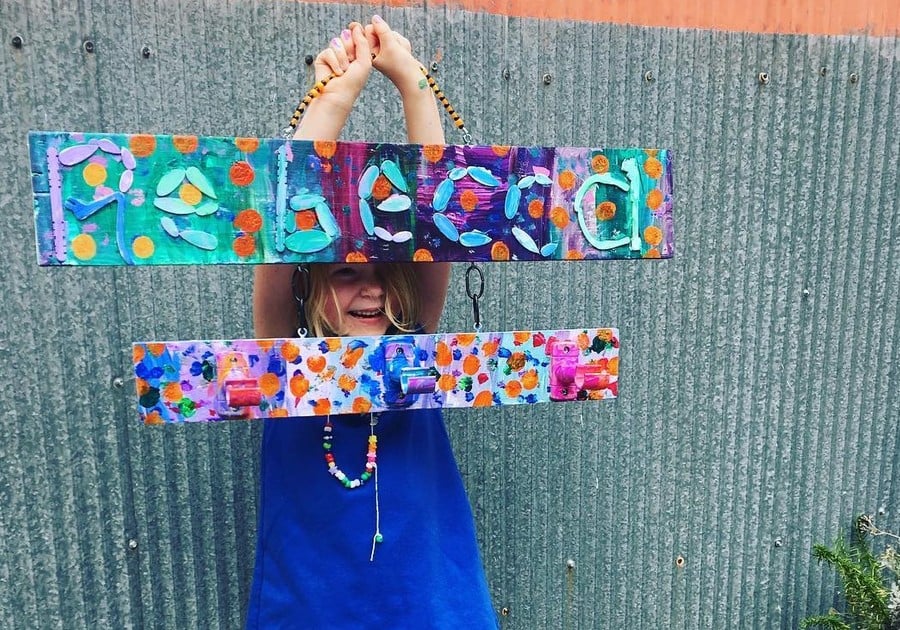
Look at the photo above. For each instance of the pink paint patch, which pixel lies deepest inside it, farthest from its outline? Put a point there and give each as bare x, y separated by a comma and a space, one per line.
137, 197
90, 228
540, 170
99, 158
102, 191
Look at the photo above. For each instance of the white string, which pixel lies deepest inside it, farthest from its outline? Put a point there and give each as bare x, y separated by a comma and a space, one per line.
372, 422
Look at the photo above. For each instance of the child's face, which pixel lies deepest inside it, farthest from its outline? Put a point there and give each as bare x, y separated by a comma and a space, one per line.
356, 307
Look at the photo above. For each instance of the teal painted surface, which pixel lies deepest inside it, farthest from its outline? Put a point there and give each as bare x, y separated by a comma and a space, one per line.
759, 383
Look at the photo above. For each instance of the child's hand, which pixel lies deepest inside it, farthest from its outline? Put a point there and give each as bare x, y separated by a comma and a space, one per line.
393, 56
348, 57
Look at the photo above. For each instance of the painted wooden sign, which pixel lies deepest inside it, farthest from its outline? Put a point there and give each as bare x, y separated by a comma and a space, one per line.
119, 199
200, 381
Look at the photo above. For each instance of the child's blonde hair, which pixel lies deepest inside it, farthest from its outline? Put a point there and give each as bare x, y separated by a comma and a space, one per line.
401, 300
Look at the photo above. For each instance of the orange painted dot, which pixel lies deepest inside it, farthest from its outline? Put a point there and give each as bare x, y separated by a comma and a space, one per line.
248, 220
305, 219
141, 386
654, 199
489, 348
289, 351
153, 418
465, 339
279, 412
530, 379
156, 349
241, 173
513, 389
560, 217
433, 152
94, 174
84, 247
361, 405
583, 341
244, 245
652, 253
468, 200
483, 399
566, 180
613, 366
471, 364
382, 188
316, 363
500, 150
605, 211
269, 384
422, 255
185, 144
142, 145
333, 343
653, 235
516, 361
355, 257
143, 247
442, 354
137, 353
535, 208
247, 145
265, 344
322, 407
521, 336
653, 168
346, 382
172, 392
600, 163
190, 194
499, 251
299, 385
325, 148
351, 358
574, 254
447, 382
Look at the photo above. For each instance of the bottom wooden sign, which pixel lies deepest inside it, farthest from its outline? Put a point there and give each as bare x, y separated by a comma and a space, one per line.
245, 379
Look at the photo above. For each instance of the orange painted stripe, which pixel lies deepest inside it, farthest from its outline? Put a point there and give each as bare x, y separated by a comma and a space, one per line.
880, 18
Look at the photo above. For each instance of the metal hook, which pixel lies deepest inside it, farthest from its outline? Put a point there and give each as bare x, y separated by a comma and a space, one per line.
475, 270
300, 286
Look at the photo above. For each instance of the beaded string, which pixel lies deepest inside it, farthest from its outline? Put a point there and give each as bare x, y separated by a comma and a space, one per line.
319, 87
371, 470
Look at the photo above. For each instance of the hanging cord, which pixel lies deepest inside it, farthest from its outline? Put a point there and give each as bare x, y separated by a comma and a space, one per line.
377, 538
473, 271
319, 88
300, 285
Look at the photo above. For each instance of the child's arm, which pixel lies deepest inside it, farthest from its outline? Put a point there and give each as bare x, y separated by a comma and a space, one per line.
347, 57
394, 59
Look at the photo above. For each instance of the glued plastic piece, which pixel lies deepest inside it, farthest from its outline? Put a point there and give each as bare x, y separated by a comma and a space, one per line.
417, 380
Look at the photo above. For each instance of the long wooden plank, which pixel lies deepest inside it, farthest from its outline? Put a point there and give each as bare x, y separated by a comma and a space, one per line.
200, 381
115, 199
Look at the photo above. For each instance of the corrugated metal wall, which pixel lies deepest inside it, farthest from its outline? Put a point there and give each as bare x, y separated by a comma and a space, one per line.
759, 389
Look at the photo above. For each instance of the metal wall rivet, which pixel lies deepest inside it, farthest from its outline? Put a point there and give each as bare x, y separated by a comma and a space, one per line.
763, 78
854, 77
88, 46
434, 66
648, 76
118, 382
547, 79
805, 293
823, 70
17, 41
570, 564
679, 561
132, 544
882, 511
309, 60
778, 542
504, 612
506, 73
146, 51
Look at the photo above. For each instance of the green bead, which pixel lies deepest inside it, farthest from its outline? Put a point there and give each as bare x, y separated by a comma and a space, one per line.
379, 538
346, 483
326, 446
365, 476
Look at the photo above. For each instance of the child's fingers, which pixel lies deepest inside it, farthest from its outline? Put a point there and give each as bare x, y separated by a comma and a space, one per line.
341, 53
403, 42
360, 42
327, 63
371, 39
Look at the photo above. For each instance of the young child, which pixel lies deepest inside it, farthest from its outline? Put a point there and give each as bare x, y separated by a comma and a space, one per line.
397, 549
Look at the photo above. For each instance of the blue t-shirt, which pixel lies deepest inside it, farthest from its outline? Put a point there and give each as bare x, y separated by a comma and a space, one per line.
315, 536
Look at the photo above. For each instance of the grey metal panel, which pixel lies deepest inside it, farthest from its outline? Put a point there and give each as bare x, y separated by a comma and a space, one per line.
752, 422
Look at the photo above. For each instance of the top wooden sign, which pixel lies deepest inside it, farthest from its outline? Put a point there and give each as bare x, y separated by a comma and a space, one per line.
115, 199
